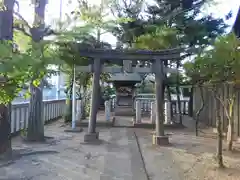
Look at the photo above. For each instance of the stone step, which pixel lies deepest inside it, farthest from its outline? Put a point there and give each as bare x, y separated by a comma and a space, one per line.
100, 123
124, 111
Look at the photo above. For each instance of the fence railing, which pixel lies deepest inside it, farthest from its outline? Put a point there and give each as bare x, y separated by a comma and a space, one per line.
112, 104
146, 105
52, 109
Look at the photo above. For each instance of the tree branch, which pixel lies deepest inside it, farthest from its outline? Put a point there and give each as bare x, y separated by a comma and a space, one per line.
22, 19
18, 28
223, 105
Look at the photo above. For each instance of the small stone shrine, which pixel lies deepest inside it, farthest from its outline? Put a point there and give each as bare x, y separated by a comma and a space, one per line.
124, 84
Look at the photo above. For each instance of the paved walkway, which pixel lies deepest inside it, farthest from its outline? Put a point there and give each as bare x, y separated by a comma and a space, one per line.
117, 157
67, 157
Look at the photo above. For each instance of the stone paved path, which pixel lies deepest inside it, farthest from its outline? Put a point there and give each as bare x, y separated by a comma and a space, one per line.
66, 157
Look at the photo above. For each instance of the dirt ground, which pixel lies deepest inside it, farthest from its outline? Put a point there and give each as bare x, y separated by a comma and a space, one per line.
189, 157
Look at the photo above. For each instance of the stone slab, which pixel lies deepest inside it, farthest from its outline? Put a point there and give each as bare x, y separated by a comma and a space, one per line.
100, 123
75, 130
145, 125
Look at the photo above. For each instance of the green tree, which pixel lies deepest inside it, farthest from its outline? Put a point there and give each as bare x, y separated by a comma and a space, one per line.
68, 52
219, 68
41, 52
17, 67
6, 18
127, 31
161, 38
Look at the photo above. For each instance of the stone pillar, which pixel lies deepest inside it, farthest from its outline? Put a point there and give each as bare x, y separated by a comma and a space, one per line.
167, 112
153, 112
107, 110
138, 112
92, 135
159, 137
177, 110
79, 109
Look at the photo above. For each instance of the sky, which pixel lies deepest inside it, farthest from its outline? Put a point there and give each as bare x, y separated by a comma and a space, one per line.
53, 12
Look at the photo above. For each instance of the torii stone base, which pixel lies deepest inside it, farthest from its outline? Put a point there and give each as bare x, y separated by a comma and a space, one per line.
160, 140
91, 137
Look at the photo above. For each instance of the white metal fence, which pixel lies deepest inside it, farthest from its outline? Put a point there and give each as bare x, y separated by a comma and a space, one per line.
146, 105
52, 109
146, 100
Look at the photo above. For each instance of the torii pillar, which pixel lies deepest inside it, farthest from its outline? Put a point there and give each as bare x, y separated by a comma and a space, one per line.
159, 137
91, 134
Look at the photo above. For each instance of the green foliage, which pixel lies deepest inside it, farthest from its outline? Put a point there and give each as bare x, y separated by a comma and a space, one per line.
108, 92
218, 65
24, 42
13, 66
97, 16
160, 38
194, 28
128, 30
22, 67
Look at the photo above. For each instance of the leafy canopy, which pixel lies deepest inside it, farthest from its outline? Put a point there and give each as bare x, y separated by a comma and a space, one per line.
219, 65
162, 38
20, 68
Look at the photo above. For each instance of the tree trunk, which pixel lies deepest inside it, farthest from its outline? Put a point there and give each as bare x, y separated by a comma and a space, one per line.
6, 30
230, 131
220, 136
199, 110
5, 131
6, 33
236, 26
35, 130
190, 105
230, 135
35, 120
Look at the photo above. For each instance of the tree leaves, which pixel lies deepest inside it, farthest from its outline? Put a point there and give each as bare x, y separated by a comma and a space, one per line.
161, 38
221, 64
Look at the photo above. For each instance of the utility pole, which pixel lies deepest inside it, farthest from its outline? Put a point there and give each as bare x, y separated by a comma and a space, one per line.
59, 72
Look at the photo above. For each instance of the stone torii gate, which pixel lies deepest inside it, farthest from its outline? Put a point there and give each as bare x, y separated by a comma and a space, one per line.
96, 66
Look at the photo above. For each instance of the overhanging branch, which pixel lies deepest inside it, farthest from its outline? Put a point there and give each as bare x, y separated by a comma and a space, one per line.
19, 16
23, 30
